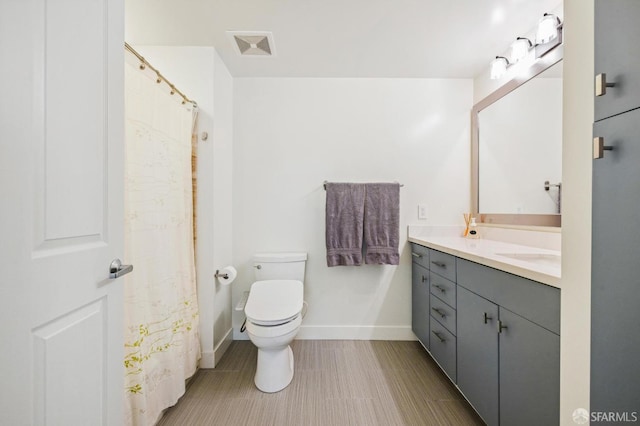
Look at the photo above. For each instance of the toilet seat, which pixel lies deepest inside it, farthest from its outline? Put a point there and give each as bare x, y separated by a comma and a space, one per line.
261, 331
274, 302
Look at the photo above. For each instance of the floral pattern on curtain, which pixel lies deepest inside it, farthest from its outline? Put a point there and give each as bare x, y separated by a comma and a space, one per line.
161, 312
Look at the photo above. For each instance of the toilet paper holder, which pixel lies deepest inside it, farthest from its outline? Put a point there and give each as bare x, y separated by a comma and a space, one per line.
219, 275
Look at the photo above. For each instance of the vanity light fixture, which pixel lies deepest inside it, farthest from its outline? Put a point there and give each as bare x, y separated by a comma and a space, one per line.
519, 49
499, 67
548, 36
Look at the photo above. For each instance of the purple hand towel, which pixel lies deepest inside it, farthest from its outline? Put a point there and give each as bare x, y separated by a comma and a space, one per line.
382, 223
344, 216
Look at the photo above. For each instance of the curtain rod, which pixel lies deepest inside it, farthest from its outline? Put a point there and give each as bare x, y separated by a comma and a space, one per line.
324, 184
161, 78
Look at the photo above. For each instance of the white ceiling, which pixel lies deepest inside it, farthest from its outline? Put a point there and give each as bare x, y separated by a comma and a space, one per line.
343, 38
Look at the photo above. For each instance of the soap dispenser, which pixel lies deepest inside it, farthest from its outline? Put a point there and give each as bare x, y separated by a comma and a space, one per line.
473, 229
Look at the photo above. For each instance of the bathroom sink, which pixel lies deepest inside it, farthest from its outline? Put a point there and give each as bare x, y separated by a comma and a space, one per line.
537, 258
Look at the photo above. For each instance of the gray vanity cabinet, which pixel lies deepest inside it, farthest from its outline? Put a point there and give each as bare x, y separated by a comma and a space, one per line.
529, 373
615, 281
420, 294
443, 341
478, 353
617, 32
508, 346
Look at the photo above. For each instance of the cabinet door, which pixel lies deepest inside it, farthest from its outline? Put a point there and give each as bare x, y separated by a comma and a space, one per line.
615, 289
478, 353
616, 36
443, 348
443, 264
529, 373
444, 289
420, 303
420, 255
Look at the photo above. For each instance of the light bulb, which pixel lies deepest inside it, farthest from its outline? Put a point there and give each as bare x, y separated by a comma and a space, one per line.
520, 49
547, 28
498, 67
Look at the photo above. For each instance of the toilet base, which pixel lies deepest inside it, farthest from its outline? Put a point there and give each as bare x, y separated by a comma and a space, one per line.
275, 369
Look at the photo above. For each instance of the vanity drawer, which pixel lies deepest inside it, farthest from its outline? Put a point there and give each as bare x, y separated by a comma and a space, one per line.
420, 255
443, 288
536, 302
443, 264
444, 314
443, 349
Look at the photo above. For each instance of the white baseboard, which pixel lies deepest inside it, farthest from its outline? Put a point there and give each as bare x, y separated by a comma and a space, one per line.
210, 359
222, 347
207, 360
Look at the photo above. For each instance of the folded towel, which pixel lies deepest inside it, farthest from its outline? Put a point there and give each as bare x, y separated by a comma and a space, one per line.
381, 223
344, 223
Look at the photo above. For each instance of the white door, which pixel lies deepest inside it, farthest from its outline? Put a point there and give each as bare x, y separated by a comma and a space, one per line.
61, 181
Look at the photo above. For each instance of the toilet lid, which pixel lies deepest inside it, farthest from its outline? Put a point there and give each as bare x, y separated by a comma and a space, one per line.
274, 301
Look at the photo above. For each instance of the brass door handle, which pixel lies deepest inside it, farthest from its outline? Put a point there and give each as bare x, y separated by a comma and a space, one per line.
601, 84
599, 147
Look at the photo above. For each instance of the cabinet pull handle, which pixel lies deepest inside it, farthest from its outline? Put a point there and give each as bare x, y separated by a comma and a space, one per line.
442, 289
487, 318
416, 255
439, 336
424, 278
601, 84
439, 312
501, 326
599, 147
440, 264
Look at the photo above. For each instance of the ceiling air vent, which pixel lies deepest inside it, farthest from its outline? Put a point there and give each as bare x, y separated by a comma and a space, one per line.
252, 43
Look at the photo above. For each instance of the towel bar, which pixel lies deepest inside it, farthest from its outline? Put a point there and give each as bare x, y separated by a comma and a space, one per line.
324, 184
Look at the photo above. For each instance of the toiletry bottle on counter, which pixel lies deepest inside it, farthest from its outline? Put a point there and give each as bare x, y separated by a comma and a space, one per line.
473, 229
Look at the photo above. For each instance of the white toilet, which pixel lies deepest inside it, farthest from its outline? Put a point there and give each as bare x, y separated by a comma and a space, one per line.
274, 314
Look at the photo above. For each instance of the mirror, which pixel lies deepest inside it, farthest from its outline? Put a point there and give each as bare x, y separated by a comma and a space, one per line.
517, 149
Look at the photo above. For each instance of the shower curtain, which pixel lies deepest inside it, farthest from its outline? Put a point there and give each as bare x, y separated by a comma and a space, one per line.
161, 313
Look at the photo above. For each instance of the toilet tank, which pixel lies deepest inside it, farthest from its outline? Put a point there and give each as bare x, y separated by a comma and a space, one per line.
276, 266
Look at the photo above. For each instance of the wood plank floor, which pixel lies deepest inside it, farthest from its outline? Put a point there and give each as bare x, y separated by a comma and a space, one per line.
339, 382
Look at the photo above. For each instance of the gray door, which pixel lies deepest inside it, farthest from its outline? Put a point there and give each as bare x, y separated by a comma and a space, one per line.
478, 353
615, 281
529, 373
617, 32
420, 303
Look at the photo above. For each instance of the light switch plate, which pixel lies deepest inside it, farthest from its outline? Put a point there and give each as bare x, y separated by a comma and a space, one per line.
423, 211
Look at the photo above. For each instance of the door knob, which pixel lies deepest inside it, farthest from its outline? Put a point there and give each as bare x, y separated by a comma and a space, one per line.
117, 269
601, 84
599, 147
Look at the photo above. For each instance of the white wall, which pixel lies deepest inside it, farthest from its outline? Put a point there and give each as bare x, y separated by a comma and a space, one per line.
575, 344
199, 73
290, 135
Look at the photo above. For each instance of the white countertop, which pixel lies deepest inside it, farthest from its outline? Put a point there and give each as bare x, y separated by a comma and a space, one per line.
538, 264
